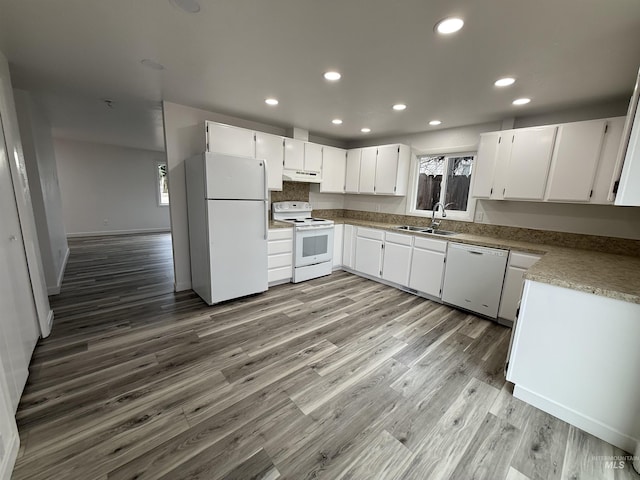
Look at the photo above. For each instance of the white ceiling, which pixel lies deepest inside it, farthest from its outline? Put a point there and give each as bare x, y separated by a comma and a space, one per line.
233, 54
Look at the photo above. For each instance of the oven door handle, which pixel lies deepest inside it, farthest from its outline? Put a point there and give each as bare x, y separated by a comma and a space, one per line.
318, 228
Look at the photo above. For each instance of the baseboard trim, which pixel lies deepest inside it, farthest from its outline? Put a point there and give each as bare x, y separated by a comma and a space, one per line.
577, 419
55, 289
11, 455
117, 232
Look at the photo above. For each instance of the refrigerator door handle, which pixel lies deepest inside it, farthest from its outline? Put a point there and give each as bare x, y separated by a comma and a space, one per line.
266, 200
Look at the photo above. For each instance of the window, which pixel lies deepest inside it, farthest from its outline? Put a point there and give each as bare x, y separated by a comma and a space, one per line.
445, 179
163, 185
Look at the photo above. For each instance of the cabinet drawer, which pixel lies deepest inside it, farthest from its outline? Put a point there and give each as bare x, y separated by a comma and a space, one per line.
370, 233
522, 260
279, 246
398, 238
280, 233
276, 274
277, 261
430, 244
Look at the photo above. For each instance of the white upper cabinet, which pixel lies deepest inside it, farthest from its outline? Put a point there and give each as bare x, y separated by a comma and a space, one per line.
271, 148
484, 168
490, 172
334, 165
312, 157
575, 166
392, 170
526, 175
382, 170
293, 154
368, 170
230, 140
575, 161
352, 180
608, 158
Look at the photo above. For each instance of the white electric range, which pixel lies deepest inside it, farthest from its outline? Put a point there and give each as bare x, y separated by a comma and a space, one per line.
312, 240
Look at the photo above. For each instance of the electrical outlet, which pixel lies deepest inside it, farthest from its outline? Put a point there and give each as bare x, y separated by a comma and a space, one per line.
105, 221
479, 216
377, 207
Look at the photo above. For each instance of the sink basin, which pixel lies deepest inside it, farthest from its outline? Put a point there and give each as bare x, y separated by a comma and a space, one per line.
411, 228
439, 232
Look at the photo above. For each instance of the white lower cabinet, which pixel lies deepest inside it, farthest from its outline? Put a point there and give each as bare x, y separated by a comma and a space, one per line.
518, 264
338, 238
280, 255
349, 246
369, 246
396, 262
427, 266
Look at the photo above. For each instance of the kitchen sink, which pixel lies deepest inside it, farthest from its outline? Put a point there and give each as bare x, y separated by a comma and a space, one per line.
439, 232
411, 228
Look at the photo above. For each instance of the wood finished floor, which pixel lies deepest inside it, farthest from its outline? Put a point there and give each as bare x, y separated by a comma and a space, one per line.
335, 378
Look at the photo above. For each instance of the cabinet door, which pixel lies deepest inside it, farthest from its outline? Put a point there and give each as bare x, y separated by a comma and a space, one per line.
368, 170
348, 246
312, 157
338, 240
511, 293
483, 170
334, 164
293, 154
427, 269
500, 172
529, 163
397, 260
575, 161
386, 169
607, 164
368, 256
271, 148
230, 140
352, 180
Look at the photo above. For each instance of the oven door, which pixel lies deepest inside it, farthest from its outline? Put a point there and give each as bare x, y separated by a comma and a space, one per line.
313, 245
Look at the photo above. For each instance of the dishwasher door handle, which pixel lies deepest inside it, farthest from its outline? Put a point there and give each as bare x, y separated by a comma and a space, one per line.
475, 253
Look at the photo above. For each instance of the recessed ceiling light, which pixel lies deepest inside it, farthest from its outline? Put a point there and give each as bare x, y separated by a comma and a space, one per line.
521, 101
336, 121
153, 65
449, 25
189, 6
399, 106
271, 101
435, 122
332, 76
505, 82
365, 130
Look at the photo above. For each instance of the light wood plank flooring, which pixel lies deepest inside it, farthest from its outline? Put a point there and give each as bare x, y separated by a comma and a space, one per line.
335, 378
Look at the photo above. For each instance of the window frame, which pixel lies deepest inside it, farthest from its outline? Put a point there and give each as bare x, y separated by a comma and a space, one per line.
463, 216
158, 164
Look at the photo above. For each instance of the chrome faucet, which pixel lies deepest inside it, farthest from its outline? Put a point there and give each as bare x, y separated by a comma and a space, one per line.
435, 224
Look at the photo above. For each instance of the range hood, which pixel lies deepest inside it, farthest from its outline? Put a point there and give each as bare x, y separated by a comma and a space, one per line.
301, 176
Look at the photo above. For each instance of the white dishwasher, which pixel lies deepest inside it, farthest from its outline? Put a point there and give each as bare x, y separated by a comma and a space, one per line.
473, 278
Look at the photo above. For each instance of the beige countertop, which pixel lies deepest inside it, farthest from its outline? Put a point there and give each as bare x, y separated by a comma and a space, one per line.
604, 274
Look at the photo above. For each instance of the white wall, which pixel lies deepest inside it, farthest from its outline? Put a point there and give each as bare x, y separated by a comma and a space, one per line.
108, 189
184, 137
35, 131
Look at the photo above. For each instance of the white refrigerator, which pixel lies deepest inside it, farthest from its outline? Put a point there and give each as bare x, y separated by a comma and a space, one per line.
227, 202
